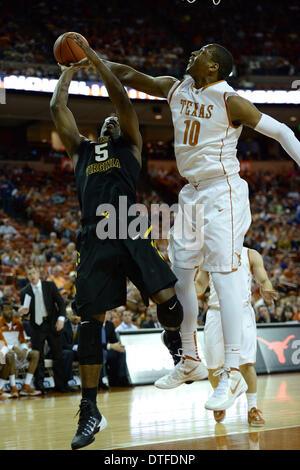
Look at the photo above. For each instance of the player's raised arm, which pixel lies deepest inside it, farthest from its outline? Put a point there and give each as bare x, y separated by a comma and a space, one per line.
62, 116
261, 277
128, 76
244, 112
126, 114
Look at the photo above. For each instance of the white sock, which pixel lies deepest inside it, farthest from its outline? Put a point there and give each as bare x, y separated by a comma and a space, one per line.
228, 288
28, 378
12, 380
186, 293
252, 400
2, 382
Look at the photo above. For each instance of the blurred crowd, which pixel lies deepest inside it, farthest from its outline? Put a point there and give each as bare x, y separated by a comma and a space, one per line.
154, 36
38, 226
39, 219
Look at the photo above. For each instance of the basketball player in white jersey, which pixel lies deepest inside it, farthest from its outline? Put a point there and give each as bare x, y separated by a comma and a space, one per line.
208, 117
252, 266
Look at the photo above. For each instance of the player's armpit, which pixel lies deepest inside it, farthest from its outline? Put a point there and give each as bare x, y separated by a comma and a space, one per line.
243, 111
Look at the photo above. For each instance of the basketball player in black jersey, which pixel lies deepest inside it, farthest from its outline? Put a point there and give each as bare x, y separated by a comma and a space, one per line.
104, 171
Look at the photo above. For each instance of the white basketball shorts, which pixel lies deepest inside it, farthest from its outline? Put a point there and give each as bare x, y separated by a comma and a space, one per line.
220, 219
214, 342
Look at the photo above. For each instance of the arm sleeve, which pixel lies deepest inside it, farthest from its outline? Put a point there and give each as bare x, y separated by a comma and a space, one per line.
282, 133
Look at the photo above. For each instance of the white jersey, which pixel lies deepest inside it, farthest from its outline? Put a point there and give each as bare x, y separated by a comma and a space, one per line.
246, 282
205, 139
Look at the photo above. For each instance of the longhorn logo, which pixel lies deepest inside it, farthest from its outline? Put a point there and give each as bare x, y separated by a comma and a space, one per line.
278, 347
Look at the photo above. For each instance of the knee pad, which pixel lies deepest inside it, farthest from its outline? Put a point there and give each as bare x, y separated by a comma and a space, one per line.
170, 313
90, 350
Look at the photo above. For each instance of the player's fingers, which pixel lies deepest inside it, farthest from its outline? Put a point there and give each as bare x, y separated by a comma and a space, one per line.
81, 63
62, 67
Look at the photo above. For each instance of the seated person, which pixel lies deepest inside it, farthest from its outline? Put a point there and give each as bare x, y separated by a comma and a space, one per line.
18, 354
153, 321
70, 342
126, 322
114, 364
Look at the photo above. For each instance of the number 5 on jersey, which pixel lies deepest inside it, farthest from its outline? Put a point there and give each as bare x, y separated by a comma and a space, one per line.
101, 152
191, 133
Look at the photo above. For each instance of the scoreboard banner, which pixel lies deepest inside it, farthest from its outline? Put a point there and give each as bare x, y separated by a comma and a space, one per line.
278, 350
97, 89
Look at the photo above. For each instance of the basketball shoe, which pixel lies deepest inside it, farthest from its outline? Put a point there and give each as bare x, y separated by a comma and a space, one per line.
27, 390
219, 415
90, 422
231, 386
255, 417
174, 346
14, 391
185, 371
4, 395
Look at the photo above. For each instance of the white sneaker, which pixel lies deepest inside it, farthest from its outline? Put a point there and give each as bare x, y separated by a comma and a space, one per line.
231, 385
185, 371
4, 395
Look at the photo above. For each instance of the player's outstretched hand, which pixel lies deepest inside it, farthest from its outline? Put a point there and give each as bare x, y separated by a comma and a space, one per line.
91, 55
75, 66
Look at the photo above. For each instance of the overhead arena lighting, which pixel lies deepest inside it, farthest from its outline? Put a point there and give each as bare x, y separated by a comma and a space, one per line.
96, 89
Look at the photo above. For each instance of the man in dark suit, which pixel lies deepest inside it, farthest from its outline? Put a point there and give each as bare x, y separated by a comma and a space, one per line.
114, 357
70, 342
153, 322
47, 315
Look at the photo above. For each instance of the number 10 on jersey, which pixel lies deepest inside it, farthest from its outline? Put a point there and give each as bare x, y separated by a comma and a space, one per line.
191, 133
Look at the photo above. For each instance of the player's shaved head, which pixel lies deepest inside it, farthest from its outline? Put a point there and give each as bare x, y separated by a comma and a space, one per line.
223, 57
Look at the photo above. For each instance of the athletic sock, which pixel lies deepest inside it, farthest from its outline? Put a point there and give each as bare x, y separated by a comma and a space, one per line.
186, 293
12, 380
252, 400
228, 288
28, 378
90, 394
232, 356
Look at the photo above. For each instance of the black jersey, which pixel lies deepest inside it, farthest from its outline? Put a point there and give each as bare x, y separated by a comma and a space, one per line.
105, 170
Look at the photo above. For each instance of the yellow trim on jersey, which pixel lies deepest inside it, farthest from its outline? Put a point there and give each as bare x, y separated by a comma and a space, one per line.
147, 232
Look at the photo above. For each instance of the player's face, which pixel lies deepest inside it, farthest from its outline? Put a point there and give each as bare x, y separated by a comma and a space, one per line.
200, 62
111, 127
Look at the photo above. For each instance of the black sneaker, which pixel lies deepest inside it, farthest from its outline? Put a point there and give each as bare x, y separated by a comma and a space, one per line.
90, 422
174, 346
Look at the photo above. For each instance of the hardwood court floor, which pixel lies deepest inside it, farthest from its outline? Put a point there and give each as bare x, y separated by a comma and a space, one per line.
146, 418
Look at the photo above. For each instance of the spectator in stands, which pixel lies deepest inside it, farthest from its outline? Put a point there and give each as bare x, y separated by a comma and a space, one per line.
10, 257
287, 314
6, 189
263, 314
58, 278
126, 322
152, 322
277, 315
7, 229
297, 309
8, 297
22, 357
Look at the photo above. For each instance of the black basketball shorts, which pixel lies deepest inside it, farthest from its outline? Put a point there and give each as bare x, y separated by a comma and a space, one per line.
103, 267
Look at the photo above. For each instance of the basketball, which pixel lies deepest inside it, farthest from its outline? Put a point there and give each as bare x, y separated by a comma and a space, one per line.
66, 51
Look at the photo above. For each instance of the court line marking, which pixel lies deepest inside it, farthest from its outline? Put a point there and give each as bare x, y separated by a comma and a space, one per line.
261, 429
